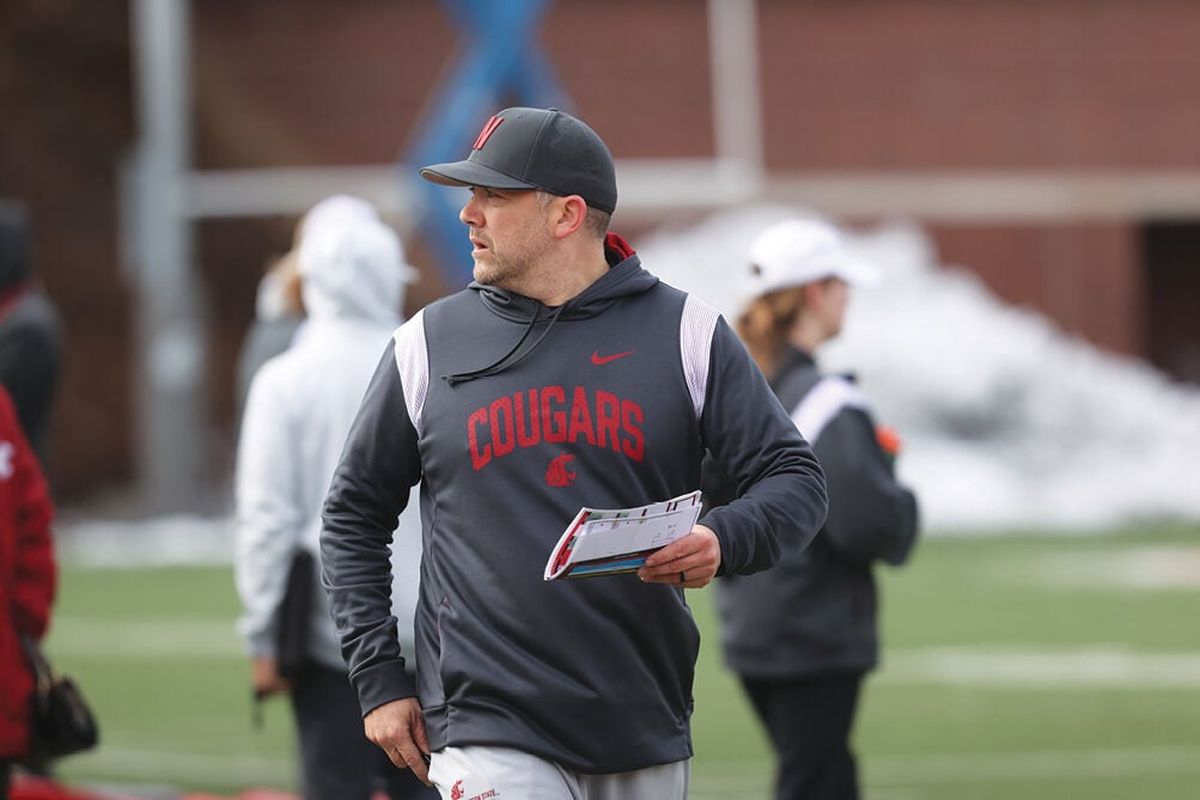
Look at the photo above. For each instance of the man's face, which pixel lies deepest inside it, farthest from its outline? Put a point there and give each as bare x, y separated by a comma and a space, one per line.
510, 231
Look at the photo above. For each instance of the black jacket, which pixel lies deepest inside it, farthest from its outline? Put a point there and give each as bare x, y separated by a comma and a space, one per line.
30, 335
815, 611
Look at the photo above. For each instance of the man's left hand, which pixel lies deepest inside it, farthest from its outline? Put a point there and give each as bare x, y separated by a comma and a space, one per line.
691, 561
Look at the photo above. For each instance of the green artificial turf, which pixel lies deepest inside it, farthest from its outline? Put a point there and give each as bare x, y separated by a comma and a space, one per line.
1016, 666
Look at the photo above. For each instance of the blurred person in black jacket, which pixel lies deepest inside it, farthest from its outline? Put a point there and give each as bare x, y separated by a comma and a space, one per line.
30, 335
802, 635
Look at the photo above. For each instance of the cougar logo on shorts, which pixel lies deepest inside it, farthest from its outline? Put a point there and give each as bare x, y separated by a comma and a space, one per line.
557, 473
457, 792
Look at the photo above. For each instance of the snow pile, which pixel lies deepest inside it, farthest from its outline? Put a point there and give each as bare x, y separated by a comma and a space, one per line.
1007, 422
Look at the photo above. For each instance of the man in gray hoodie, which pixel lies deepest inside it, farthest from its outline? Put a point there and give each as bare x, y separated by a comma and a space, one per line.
565, 376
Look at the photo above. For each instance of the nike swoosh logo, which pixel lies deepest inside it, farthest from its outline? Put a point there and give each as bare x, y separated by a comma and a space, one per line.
600, 360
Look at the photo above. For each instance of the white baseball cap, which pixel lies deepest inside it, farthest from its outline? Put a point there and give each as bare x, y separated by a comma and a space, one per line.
799, 251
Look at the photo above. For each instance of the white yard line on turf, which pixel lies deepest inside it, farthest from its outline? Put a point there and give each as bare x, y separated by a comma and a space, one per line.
131, 764
1092, 668
1138, 569
72, 637
1035, 765
892, 776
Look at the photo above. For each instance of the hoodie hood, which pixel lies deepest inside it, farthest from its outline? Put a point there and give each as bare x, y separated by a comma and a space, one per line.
351, 263
624, 278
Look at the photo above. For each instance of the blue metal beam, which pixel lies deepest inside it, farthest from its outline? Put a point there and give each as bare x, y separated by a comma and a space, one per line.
500, 60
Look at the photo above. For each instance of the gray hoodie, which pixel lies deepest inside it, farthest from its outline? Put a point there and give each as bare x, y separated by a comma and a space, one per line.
513, 416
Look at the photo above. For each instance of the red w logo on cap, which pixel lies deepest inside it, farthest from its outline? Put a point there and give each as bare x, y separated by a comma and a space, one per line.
488, 129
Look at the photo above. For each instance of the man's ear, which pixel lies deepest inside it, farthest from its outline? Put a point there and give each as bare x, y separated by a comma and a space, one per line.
568, 215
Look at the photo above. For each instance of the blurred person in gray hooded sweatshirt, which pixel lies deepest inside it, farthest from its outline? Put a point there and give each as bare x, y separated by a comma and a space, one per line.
299, 409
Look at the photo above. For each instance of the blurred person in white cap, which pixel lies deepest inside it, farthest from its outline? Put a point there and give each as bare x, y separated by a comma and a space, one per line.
299, 409
802, 636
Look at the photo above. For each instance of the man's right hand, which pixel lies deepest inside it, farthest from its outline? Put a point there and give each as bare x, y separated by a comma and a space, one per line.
399, 728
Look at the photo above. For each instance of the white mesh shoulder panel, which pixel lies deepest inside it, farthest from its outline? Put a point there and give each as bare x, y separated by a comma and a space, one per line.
412, 362
696, 328
822, 404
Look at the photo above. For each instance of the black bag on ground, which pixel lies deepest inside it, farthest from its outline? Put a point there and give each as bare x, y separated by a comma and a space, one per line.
61, 723
294, 615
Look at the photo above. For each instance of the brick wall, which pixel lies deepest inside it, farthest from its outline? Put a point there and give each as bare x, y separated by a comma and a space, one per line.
937, 84
1018, 84
1084, 276
847, 84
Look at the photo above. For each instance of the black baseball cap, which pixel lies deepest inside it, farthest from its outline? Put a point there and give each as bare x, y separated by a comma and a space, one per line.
535, 148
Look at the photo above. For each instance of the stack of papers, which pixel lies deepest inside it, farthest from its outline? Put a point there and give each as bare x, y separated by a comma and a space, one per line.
614, 540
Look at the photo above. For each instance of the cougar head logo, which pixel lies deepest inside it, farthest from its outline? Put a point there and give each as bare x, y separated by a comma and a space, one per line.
557, 473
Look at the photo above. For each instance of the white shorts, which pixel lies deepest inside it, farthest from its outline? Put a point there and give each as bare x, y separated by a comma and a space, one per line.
481, 773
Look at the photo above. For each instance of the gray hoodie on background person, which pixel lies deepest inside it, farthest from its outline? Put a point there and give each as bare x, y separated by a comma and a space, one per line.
300, 406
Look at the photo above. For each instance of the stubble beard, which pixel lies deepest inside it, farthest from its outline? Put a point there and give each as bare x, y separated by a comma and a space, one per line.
492, 269
505, 270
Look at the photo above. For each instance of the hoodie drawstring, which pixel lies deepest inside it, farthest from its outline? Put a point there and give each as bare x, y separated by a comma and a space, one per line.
499, 364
